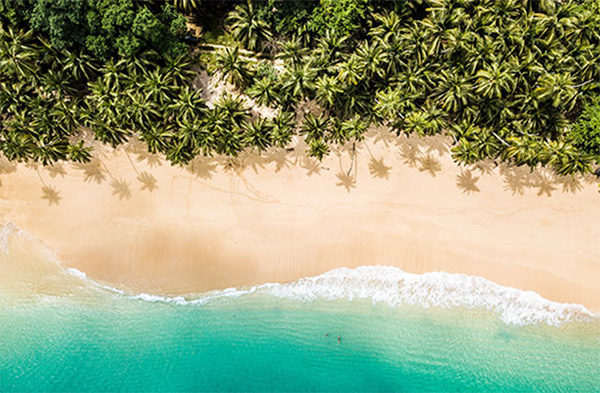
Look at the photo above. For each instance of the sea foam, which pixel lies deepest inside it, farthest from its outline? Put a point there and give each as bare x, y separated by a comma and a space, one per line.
382, 285
396, 288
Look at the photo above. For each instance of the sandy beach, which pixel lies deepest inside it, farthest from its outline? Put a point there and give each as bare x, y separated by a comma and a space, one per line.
132, 220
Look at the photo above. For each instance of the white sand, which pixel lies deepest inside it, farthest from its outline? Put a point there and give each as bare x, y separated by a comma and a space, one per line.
147, 226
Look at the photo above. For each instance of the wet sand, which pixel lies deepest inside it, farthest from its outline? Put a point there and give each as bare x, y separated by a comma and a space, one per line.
134, 221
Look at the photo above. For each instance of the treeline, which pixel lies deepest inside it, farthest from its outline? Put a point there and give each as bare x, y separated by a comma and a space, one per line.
506, 79
102, 28
513, 80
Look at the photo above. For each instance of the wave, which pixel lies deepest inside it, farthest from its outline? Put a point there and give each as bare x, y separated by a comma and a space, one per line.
381, 285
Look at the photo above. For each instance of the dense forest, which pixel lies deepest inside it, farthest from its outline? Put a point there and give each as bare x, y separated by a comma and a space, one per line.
510, 80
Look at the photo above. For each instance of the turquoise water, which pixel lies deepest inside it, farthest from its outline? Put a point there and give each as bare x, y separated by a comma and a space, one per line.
62, 332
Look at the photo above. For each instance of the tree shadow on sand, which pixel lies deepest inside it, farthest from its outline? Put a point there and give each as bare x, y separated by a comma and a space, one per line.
6, 166
92, 171
346, 180
312, 166
430, 164
56, 169
148, 181
518, 179
377, 168
121, 189
202, 167
51, 194
467, 182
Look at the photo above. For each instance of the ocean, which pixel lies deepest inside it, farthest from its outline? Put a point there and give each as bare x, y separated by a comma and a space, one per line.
370, 329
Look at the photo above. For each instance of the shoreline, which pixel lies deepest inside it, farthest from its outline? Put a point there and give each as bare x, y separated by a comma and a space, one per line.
133, 221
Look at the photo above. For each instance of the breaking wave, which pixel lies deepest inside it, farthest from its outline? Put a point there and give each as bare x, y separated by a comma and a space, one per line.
381, 285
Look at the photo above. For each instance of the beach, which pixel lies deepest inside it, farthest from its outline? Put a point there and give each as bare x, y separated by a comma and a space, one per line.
131, 220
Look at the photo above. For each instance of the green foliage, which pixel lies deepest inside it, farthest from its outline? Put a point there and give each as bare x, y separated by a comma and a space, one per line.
247, 27
344, 17
585, 133
64, 21
15, 12
119, 27
103, 27
286, 17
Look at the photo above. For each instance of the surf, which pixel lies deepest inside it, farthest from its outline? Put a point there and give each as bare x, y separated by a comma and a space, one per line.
27, 264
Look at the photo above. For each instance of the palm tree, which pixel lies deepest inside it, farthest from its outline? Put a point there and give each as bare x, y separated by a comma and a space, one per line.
330, 48
231, 110
187, 6
233, 68
282, 129
453, 91
17, 55
142, 112
179, 68
292, 51
298, 82
247, 28
187, 105
79, 153
264, 91
313, 127
327, 91
494, 81
257, 134
318, 149
351, 71
80, 66
158, 86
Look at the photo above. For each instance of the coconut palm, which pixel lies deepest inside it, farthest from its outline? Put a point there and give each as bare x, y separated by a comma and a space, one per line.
264, 91
187, 105
318, 149
299, 80
282, 129
232, 67
292, 51
257, 134
232, 110
247, 28
327, 91
187, 6
315, 128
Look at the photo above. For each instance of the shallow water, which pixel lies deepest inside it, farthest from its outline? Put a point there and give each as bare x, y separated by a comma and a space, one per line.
368, 329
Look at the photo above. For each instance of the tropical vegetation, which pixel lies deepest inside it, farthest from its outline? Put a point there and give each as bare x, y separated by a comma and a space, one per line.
510, 80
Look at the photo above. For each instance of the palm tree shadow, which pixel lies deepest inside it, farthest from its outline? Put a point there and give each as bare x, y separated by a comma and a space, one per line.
435, 143
569, 183
410, 154
383, 135
153, 160
430, 164
148, 181
202, 167
486, 167
32, 164
545, 185
312, 166
346, 181
6, 166
467, 182
279, 157
252, 160
56, 169
51, 194
377, 168
140, 149
92, 170
516, 179
121, 189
